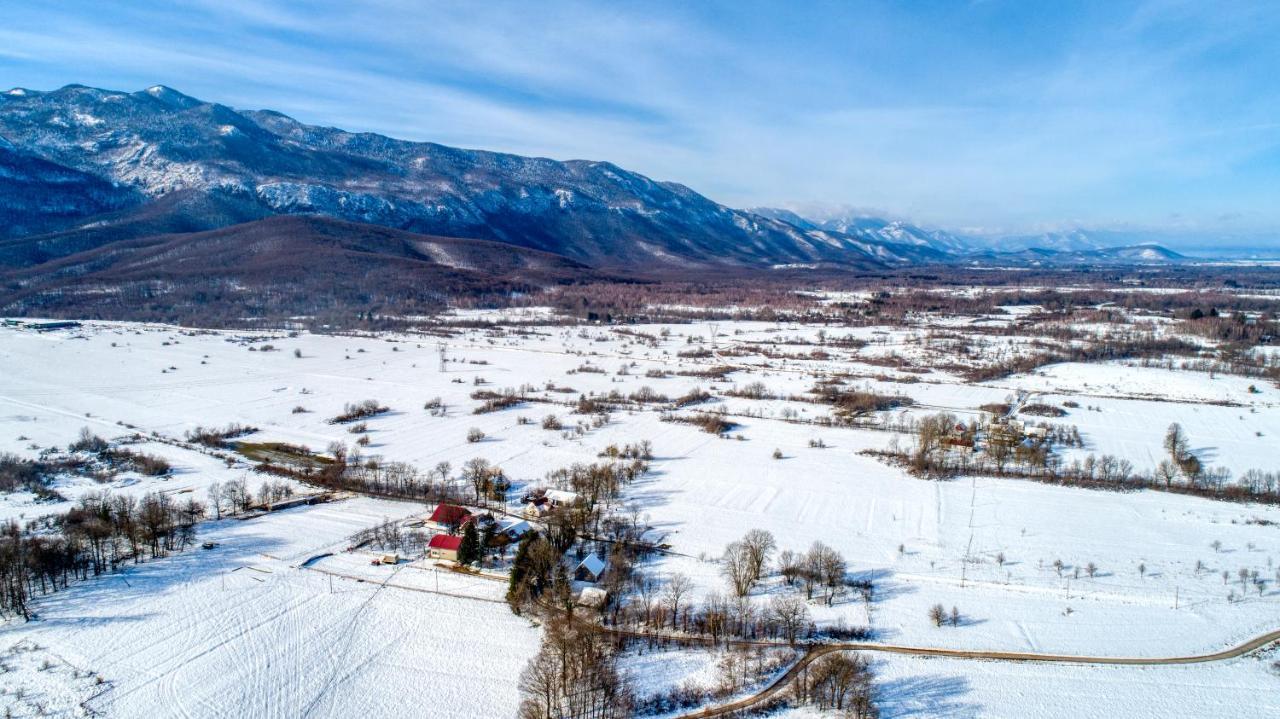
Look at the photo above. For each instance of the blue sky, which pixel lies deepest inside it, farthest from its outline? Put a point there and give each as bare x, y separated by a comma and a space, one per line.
988, 116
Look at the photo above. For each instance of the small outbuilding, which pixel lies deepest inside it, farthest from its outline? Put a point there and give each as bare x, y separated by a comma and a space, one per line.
561, 498
590, 569
515, 529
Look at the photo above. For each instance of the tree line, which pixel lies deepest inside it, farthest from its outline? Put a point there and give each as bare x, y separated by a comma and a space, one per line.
100, 534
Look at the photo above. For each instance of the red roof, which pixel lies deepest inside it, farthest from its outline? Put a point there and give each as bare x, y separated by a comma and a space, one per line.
450, 514
445, 541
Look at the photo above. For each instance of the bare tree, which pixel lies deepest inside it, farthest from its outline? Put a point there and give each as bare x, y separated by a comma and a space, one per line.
1176, 443
937, 615
676, 589
789, 564
823, 565
215, 499
759, 544
737, 568
1166, 471
791, 614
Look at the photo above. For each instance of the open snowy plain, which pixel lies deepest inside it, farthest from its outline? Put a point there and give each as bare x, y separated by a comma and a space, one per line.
276, 620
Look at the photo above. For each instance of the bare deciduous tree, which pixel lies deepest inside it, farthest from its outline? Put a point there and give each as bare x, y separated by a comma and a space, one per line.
737, 568
674, 591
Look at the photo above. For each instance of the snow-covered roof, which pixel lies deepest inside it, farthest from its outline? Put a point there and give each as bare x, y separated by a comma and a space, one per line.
515, 527
593, 564
560, 496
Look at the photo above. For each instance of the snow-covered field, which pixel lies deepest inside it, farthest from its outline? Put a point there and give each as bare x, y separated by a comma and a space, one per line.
245, 629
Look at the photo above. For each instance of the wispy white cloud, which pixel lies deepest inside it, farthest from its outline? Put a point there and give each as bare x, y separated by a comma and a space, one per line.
995, 114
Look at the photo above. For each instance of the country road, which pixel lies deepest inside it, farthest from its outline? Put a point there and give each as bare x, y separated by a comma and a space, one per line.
815, 652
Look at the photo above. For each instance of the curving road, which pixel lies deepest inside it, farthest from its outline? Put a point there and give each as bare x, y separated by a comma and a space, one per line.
816, 651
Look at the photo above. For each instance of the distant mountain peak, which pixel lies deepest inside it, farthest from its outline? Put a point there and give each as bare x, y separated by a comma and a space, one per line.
172, 97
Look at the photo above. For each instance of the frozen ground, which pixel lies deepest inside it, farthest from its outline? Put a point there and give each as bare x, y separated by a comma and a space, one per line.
242, 630
245, 629
935, 687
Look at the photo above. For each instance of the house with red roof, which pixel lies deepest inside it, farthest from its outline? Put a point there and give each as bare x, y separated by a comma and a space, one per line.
449, 517
444, 546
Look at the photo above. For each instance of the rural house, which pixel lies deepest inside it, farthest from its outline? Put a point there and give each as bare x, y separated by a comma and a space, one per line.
444, 546
449, 517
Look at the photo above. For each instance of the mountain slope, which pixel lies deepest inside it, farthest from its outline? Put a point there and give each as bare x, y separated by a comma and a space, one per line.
1144, 254
872, 229
279, 267
159, 141
39, 196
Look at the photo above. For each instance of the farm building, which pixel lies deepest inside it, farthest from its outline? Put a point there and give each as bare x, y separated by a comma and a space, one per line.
449, 517
444, 546
590, 569
560, 497
542, 501
514, 529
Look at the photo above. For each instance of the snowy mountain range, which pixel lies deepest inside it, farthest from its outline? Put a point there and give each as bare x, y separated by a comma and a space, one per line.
131, 152
83, 168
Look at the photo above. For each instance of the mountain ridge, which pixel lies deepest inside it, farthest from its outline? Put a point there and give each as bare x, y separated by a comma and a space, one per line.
158, 141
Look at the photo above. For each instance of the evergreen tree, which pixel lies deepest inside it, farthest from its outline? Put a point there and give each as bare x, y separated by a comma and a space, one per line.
520, 564
469, 550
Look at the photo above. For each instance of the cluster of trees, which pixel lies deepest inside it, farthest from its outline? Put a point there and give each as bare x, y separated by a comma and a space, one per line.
217, 438
98, 535
737, 667
639, 450
230, 497
234, 496
1108, 347
353, 411
391, 536
938, 614
598, 483
857, 402
495, 401
89, 456
487, 482
751, 390
667, 605
840, 682
347, 470
745, 560
537, 569
1009, 454
819, 568
709, 422
574, 675
26, 474
659, 605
